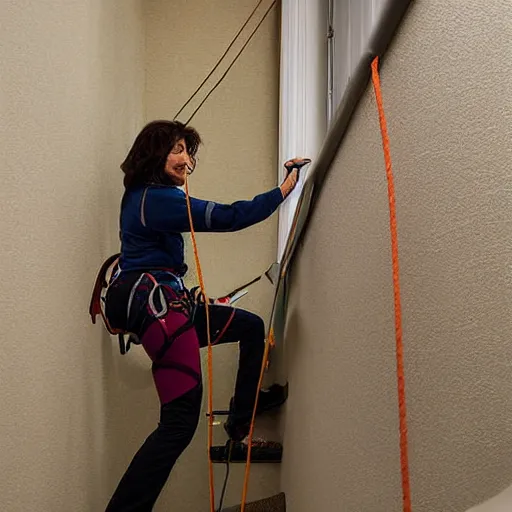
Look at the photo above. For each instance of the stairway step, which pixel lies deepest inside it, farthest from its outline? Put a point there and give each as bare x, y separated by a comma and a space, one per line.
275, 503
266, 453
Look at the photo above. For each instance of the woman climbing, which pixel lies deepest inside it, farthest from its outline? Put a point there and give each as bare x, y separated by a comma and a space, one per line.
147, 297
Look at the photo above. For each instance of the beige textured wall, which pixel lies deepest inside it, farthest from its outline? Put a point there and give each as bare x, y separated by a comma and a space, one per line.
239, 126
71, 97
447, 86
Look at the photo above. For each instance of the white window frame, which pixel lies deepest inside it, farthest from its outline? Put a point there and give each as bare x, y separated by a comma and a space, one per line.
321, 44
303, 85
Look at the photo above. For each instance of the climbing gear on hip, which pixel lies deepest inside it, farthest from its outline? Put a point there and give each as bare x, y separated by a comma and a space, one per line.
150, 298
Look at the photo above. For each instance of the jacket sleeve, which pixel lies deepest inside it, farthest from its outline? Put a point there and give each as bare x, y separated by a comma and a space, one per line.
165, 209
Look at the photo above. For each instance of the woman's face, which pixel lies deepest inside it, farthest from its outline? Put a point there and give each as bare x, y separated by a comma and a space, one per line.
176, 165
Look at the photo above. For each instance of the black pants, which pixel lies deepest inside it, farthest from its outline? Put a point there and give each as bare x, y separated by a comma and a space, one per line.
249, 330
144, 479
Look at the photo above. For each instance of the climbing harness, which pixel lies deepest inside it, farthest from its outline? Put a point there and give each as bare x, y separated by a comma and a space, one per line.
187, 304
100, 285
162, 293
96, 305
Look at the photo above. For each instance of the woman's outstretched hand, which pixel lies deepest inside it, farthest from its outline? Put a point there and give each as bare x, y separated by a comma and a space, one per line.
291, 180
289, 183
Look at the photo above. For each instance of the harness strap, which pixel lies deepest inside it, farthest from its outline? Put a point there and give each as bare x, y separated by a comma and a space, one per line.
187, 304
169, 340
95, 308
180, 367
122, 345
225, 328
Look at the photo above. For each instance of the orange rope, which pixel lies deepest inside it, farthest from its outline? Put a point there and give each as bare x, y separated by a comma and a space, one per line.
210, 373
269, 343
210, 365
404, 457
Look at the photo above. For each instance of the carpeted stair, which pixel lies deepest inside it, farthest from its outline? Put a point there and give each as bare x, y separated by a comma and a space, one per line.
275, 503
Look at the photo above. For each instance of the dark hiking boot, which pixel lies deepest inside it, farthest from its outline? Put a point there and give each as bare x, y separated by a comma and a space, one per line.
237, 428
238, 423
272, 398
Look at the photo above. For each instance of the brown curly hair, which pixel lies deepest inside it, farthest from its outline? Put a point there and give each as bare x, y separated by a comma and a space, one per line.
145, 162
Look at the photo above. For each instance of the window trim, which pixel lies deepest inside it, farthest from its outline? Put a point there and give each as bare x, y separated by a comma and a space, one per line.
302, 94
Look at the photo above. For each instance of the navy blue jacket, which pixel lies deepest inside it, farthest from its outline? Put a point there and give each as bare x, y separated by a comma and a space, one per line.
153, 218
